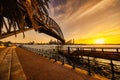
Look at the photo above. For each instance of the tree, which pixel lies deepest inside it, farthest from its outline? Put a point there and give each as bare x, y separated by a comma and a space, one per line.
21, 13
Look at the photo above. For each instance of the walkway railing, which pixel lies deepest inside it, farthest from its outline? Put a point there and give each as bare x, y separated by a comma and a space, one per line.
83, 58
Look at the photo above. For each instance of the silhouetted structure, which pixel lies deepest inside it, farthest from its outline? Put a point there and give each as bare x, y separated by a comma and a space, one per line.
22, 15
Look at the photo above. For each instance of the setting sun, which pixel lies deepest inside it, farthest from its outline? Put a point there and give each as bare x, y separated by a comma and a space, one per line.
100, 41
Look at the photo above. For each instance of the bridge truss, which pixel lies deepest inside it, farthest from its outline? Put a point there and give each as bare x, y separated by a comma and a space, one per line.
28, 17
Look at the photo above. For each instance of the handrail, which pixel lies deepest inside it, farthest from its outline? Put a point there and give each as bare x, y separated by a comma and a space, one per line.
94, 48
93, 66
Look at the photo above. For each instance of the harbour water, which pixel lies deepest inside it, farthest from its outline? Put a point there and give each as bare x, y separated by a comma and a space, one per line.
65, 47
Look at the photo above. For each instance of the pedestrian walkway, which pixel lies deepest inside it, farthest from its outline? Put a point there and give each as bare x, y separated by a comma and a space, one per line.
10, 67
40, 68
20, 64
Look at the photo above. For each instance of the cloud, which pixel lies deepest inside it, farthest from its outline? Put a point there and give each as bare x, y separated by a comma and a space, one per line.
88, 17
82, 19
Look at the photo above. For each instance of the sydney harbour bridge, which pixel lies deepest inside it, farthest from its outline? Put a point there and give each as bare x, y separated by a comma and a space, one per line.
18, 16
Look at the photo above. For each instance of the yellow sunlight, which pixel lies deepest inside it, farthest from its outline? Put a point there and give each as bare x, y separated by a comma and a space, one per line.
100, 41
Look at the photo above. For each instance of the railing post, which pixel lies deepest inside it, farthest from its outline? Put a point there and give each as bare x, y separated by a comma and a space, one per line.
50, 55
112, 70
91, 49
78, 49
73, 65
89, 70
102, 50
56, 57
68, 50
82, 53
73, 57
63, 61
117, 50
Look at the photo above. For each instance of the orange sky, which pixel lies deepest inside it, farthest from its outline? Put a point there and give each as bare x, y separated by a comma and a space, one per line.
82, 20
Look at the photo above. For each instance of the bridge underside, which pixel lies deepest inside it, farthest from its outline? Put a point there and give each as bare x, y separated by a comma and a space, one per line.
21, 17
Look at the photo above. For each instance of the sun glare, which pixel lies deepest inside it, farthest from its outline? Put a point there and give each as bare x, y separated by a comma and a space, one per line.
100, 41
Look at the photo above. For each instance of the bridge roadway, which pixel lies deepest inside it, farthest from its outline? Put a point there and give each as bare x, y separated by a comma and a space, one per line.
20, 64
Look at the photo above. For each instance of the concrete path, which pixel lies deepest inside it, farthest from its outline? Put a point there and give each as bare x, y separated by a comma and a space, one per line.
10, 67
39, 68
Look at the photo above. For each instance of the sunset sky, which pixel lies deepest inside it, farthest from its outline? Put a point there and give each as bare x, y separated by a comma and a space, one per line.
83, 20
